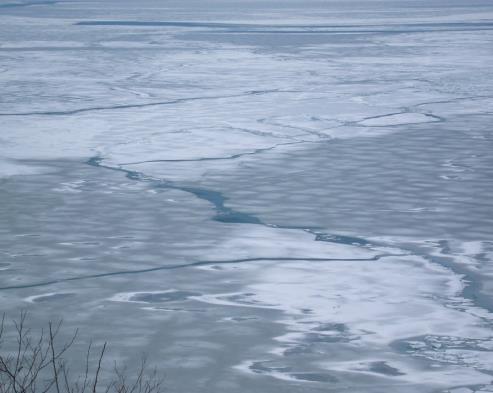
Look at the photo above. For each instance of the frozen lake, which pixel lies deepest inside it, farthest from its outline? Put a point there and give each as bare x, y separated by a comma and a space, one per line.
288, 196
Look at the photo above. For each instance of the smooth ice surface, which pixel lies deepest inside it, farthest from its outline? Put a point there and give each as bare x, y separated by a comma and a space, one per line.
261, 195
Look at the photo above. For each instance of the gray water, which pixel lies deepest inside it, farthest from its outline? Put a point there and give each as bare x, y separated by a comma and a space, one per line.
261, 196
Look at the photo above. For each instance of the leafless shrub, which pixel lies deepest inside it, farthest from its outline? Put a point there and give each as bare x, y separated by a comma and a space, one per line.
36, 364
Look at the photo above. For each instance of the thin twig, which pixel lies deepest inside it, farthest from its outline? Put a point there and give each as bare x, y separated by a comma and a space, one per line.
94, 386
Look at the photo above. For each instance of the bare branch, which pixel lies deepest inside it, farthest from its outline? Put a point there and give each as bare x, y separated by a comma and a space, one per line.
53, 359
94, 386
36, 364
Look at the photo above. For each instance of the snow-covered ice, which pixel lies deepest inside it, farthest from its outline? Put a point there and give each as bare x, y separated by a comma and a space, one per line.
263, 196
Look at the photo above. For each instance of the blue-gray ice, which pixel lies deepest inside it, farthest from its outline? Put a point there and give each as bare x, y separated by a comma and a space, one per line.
264, 196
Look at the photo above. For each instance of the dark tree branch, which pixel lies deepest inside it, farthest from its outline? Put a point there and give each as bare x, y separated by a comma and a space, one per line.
36, 364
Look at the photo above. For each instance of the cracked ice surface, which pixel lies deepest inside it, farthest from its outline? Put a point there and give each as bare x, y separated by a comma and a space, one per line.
264, 196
